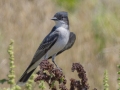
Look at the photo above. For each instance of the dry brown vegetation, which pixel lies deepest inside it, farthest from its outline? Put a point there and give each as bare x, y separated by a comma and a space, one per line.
96, 24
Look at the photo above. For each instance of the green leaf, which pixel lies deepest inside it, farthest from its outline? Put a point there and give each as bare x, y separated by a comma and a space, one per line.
3, 81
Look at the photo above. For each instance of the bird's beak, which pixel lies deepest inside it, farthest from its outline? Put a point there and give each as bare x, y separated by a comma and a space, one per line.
54, 18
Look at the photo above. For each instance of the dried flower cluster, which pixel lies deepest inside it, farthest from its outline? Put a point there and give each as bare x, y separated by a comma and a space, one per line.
50, 74
82, 83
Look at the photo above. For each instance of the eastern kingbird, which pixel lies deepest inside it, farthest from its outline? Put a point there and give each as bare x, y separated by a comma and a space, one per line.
57, 41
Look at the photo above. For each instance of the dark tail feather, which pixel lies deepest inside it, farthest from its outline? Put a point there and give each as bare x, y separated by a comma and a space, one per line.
25, 77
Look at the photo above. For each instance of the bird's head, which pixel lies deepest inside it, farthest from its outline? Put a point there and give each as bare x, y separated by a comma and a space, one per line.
61, 18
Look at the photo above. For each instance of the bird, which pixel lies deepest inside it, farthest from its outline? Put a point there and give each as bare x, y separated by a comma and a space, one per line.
57, 41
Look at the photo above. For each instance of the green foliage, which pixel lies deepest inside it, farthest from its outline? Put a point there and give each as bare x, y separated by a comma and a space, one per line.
3, 81
41, 85
11, 75
15, 87
105, 81
30, 82
118, 77
69, 5
98, 32
105, 27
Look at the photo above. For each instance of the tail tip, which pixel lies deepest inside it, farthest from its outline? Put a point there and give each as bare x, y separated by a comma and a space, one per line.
21, 83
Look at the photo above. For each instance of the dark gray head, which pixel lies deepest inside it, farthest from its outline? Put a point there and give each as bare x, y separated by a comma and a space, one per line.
61, 17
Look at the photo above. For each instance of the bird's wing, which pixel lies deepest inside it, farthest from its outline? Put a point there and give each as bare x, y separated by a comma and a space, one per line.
70, 43
47, 43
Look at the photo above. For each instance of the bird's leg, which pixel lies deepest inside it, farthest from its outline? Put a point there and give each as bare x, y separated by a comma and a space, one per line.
53, 58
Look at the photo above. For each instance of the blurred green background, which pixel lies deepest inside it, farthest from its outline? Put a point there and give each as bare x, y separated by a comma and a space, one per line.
96, 24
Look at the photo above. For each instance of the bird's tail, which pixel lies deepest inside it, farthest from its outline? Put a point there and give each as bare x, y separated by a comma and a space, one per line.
25, 77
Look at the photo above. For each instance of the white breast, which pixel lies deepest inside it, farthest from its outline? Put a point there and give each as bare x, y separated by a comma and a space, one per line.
60, 43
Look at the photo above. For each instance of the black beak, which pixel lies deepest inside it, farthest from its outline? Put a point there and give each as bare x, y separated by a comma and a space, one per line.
54, 18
